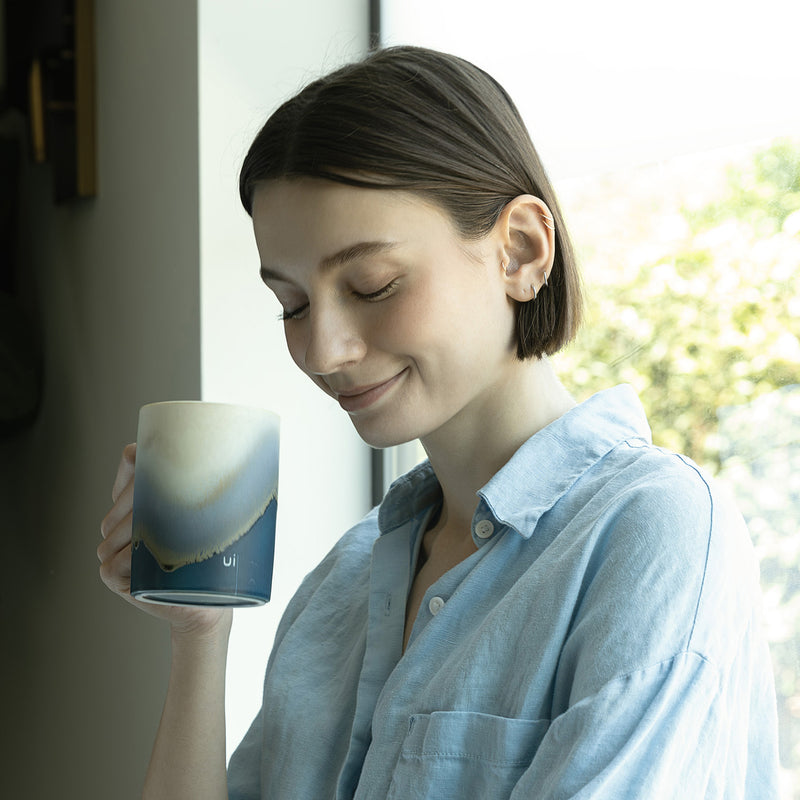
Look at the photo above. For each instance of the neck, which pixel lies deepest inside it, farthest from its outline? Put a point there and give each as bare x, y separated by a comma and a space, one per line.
470, 449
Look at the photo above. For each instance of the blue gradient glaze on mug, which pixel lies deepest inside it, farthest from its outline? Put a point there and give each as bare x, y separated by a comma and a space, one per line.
239, 575
205, 502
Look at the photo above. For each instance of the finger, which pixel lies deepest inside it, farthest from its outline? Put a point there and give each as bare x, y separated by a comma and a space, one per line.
124, 471
116, 538
122, 507
116, 571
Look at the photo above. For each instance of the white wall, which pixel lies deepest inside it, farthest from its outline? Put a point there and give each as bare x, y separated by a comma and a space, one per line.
252, 56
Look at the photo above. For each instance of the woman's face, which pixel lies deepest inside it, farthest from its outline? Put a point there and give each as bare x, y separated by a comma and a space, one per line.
386, 308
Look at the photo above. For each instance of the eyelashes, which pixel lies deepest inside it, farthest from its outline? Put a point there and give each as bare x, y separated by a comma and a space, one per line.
380, 294
296, 314
369, 297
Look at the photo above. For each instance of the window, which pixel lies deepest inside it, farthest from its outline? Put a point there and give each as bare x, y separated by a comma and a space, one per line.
673, 138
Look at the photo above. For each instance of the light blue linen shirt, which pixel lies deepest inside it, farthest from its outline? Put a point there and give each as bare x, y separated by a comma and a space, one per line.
604, 641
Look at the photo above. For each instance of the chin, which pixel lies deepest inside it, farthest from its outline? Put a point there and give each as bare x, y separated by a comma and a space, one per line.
381, 437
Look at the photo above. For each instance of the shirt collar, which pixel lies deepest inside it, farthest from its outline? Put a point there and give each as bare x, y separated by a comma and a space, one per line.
552, 460
540, 472
410, 494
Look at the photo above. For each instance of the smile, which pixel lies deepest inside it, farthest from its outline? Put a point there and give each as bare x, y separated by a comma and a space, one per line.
364, 396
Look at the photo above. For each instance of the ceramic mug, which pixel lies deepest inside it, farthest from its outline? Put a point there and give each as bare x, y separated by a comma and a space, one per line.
204, 504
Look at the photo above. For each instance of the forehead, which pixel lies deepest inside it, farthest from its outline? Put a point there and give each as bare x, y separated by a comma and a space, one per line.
309, 218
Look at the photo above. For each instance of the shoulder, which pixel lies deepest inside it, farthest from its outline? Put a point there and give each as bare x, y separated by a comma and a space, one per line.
660, 507
670, 499
643, 492
673, 486
637, 503
669, 546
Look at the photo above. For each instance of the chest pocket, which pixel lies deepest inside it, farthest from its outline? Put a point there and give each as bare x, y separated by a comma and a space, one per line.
459, 754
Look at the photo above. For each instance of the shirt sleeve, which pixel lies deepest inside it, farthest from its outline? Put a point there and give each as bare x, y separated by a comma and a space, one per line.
259, 763
244, 767
665, 682
657, 732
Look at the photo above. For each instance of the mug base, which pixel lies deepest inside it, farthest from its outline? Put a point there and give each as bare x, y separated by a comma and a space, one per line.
184, 597
238, 576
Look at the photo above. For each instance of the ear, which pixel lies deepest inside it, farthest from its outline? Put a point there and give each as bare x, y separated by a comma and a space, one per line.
526, 233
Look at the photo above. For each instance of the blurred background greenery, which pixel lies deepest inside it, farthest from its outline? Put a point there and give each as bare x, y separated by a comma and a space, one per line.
691, 270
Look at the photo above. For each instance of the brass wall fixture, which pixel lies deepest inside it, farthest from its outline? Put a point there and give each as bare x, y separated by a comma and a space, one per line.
61, 87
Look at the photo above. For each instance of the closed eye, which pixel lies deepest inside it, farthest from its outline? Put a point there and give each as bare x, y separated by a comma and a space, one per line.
294, 314
384, 291
379, 294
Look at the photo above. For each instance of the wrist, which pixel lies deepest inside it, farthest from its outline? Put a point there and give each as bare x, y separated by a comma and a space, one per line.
205, 630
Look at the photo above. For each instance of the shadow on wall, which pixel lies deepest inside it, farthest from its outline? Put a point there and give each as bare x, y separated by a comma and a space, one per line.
20, 340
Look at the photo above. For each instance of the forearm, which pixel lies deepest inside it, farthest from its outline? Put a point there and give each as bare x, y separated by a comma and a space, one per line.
188, 760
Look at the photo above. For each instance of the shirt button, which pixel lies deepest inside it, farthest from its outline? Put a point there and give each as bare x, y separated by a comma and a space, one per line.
435, 605
484, 529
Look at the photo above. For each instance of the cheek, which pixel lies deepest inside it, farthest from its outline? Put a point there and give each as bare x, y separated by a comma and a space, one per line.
410, 320
460, 320
413, 327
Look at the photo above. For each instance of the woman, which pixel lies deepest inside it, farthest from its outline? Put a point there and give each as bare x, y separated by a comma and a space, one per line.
549, 606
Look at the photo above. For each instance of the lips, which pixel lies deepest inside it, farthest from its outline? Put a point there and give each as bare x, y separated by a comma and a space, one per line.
362, 397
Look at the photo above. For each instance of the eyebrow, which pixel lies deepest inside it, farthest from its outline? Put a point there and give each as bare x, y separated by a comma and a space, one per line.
345, 255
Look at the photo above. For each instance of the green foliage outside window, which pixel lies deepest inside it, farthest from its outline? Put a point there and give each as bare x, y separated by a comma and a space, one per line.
694, 299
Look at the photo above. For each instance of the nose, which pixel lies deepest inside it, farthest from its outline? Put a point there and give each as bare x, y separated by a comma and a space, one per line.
333, 340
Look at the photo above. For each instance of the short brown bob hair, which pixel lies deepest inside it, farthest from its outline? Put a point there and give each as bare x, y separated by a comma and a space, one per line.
416, 120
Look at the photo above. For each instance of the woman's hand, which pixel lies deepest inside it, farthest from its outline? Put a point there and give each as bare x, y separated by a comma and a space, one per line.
114, 553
